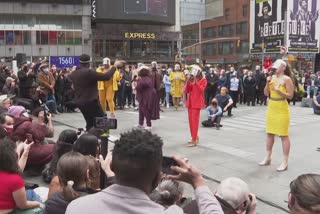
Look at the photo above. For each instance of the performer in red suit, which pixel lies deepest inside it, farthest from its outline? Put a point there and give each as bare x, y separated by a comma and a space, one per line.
195, 89
267, 63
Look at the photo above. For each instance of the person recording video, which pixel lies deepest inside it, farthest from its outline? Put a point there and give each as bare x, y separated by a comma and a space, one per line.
85, 82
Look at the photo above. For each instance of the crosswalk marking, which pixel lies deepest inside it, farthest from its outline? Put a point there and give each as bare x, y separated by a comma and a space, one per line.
254, 119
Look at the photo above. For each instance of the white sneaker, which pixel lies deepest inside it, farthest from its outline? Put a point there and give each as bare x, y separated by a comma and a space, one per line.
138, 126
126, 106
130, 106
168, 106
148, 128
308, 96
136, 108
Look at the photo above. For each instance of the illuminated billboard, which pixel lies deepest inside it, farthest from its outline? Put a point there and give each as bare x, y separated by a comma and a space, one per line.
135, 11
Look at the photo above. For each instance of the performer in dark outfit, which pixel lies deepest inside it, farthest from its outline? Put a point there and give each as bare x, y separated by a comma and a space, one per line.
147, 98
85, 85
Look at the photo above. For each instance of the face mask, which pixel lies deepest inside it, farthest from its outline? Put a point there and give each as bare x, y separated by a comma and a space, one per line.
46, 70
9, 129
177, 67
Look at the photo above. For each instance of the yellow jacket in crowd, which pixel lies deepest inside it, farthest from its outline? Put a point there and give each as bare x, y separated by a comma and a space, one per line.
114, 81
177, 79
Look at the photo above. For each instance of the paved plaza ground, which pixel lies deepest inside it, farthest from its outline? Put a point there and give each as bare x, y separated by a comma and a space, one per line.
234, 150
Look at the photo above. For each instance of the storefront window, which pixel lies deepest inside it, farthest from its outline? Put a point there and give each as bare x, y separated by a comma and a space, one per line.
164, 49
61, 37
136, 49
53, 37
69, 38
77, 38
2, 37
116, 48
42, 37
99, 48
27, 37
18, 37
9, 38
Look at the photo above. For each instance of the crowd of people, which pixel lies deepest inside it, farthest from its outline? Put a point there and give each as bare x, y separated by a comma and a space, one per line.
129, 179
135, 183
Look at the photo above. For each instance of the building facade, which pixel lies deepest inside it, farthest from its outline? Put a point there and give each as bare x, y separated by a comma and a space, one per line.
45, 28
141, 31
221, 40
192, 11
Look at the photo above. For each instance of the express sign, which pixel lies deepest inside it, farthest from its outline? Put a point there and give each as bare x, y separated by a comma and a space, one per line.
128, 35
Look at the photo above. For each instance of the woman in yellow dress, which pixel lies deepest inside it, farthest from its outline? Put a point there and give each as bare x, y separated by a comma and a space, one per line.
177, 79
279, 88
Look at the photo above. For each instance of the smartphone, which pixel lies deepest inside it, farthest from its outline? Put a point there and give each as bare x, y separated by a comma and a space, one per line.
167, 162
105, 123
29, 138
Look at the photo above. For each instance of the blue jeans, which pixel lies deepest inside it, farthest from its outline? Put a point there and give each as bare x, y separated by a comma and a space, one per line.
167, 98
314, 89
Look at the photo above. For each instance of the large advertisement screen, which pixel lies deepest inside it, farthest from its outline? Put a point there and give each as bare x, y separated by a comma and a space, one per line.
135, 11
303, 26
267, 18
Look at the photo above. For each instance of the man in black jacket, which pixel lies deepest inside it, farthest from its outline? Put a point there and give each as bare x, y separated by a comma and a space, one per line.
85, 86
26, 79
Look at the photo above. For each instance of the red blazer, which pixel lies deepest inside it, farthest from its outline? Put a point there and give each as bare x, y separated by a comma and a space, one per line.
195, 93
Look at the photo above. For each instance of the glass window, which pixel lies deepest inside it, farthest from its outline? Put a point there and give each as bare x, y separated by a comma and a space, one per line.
245, 10
227, 14
77, 38
2, 37
7, 21
116, 48
209, 49
209, 32
53, 37
18, 22
242, 28
226, 47
77, 23
98, 48
61, 37
27, 37
9, 38
38, 38
44, 37
136, 48
226, 30
164, 49
18, 37
69, 37
243, 47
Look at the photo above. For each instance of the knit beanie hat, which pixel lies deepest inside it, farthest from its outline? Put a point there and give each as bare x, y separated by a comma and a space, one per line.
16, 111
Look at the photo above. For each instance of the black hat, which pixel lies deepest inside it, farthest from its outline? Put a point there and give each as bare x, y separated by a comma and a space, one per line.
85, 59
266, 4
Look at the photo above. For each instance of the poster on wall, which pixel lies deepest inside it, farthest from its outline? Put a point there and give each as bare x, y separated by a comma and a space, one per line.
303, 26
267, 18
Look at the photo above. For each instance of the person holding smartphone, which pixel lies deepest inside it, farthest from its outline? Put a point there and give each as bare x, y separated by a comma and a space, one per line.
196, 85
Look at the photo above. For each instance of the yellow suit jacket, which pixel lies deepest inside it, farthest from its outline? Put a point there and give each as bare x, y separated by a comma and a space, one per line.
102, 85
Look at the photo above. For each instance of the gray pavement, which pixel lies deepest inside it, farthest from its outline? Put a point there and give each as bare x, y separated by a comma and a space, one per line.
234, 150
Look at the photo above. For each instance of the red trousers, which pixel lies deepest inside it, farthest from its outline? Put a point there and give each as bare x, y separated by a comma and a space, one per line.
194, 115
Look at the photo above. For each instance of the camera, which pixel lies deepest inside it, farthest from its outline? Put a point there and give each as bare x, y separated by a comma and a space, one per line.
105, 123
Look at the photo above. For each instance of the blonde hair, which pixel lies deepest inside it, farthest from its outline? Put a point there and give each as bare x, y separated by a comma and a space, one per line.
306, 191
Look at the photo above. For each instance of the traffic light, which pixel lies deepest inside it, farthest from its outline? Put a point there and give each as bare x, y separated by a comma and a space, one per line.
238, 43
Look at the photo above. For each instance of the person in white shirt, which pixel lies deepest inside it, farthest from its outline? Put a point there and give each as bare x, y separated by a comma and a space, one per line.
234, 89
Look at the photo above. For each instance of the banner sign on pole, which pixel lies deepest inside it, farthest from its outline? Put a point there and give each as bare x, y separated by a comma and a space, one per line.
303, 26
267, 19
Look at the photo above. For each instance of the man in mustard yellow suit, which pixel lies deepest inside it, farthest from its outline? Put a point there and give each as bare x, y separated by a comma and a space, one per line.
108, 88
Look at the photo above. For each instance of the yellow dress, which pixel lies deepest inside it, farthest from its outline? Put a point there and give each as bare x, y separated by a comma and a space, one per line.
177, 79
278, 113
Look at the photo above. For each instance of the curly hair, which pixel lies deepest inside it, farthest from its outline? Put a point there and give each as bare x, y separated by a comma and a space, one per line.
8, 156
137, 154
